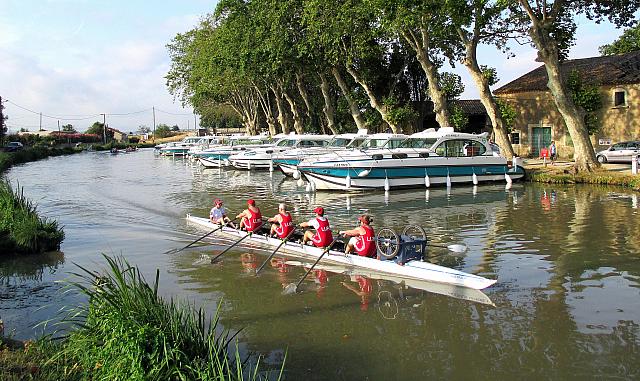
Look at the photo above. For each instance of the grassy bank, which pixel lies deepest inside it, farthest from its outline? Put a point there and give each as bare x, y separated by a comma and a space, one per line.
553, 175
127, 332
22, 231
8, 159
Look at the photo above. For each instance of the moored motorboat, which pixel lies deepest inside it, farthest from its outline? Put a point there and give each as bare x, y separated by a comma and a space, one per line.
425, 159
262, 158
411, 269
219, 156
179, 148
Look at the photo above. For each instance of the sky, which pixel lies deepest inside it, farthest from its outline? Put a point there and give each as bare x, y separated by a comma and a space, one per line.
73, 60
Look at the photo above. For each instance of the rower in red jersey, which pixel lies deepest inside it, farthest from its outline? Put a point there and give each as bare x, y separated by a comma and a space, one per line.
322, 236
281, 223
251, 217
362, 238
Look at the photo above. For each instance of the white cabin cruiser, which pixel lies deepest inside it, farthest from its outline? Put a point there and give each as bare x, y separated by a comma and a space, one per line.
262, 158
218, 156
180, 148
424, 159
289, 160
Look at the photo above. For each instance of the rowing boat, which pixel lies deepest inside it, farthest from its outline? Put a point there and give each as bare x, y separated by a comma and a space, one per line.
415, 269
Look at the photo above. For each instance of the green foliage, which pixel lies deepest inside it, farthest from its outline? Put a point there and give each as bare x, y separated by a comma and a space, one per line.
451, 84
459, 118
96, 128
507, 112
22, 231
587, 97
490, 74
69, 128
37, 152
629, 41
403, 116
131, 333
163, 131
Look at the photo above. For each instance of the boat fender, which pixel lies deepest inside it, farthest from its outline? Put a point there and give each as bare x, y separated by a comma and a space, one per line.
386, 184
474, 178
448, 181
296, 174
364, 173
427, 182
348, 181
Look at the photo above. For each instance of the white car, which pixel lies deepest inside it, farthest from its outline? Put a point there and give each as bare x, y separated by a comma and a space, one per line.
622, 152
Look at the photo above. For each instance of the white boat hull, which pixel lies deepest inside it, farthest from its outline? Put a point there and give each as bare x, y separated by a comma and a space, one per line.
411, 270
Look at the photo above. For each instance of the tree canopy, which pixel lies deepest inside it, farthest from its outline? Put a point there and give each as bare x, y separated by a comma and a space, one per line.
629, 41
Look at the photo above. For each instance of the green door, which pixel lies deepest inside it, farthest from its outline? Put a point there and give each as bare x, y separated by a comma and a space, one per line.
540, 138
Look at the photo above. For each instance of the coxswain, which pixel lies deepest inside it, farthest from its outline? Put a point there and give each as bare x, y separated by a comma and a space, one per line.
362, 238
322, 236
218, 215
281, 223
251, 217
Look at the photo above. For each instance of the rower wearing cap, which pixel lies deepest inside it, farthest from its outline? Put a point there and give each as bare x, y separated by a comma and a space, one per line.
251, 217
322, 236
281, 223
362, 238
218, 215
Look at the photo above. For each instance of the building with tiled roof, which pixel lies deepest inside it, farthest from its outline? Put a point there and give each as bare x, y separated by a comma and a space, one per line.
539, 120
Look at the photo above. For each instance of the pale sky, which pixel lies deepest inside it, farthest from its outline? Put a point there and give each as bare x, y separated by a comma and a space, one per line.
75, 59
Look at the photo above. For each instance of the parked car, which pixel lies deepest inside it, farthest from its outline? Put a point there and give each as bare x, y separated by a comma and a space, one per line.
13, 147
621, 152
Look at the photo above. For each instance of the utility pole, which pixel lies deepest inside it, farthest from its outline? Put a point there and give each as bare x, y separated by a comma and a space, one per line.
154, 123
40, 122
104, 128
58, 125
1, 122
195, 122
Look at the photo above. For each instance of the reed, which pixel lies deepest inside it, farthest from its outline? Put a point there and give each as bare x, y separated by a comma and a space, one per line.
8, 159
22, 231
128, 332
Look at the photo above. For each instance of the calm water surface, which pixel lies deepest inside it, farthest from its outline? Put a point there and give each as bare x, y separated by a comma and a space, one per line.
567, 260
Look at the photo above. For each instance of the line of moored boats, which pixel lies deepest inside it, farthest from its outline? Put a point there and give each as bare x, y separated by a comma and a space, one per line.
358, 161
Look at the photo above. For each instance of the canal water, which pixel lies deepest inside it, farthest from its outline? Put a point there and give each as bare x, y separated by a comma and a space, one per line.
567, 260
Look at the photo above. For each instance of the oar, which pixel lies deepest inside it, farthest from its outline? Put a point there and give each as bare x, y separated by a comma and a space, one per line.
204, 236
293, 288
284, 240
456, 248
235, 243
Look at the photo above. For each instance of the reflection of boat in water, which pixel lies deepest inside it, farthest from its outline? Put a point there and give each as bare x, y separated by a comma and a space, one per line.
412, 269
453, 291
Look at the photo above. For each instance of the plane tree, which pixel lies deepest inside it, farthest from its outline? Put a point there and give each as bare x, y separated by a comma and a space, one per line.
551, 26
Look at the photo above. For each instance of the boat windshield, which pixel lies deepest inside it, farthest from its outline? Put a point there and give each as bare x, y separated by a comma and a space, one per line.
417, 143
246, 141
312, 143
357, 143
339, 142
286, 143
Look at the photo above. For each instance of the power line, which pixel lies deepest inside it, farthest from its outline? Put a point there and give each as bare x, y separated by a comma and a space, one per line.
50, 116
173, 113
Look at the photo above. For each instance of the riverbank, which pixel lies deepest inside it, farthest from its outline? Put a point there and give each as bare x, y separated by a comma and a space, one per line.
562, 173
8, 159
129, 332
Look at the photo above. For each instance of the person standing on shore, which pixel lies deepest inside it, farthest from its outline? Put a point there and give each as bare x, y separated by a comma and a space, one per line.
553, 152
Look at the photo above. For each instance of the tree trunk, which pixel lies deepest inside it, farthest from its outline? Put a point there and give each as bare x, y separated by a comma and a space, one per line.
303, 93
470, 61
373, 100
328, 109
282, 114
421, 46
298, 124
265, 103
353, 106
547, 46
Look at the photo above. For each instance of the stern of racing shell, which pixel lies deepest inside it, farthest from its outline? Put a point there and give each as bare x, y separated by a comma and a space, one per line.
407, 248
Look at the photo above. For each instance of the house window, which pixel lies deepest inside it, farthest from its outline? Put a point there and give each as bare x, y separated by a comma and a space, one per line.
619, 98
515, 138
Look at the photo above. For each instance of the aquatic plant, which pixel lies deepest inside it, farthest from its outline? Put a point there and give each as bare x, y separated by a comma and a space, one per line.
601, 177
22, 231
128, 332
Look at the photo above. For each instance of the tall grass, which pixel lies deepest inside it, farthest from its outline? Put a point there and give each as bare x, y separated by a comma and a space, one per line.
128, 332
7, 159
22, 231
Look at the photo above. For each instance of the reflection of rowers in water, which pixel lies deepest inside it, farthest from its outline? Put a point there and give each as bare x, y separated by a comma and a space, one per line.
249, 262
364, 290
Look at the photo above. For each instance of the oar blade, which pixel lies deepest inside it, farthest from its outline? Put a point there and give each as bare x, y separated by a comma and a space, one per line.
290, 289
457, 248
